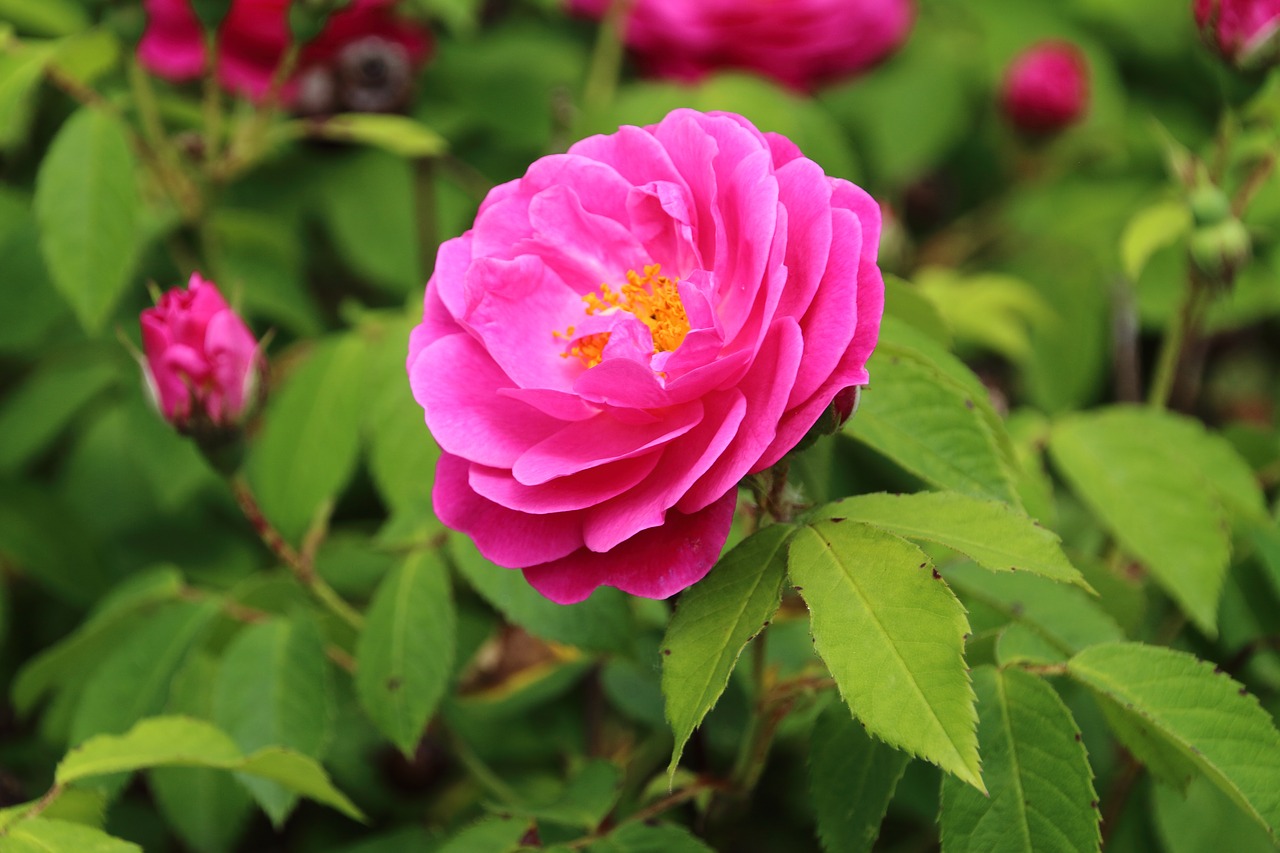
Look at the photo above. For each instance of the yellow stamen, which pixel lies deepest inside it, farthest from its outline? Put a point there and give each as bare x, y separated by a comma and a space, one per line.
652, 298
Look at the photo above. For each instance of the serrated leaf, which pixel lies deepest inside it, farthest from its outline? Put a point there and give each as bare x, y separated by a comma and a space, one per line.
713, 623
310, 440
273, 690
74, 805
852, 777
601, 623
1145, 475
892, 634
991, 533
88, 208
405, 653
585, 800
642, 838
931, 426
1201, 712
1067, 618
187, 742
499, 835
1036, 770
44, 835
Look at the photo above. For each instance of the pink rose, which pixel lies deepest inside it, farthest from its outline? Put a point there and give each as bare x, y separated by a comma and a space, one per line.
799, 43
255, 34
1243, 31
629, 330
202, 362
1046, 88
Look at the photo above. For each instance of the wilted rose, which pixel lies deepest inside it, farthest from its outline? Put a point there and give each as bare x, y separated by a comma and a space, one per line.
800, 43
629, 330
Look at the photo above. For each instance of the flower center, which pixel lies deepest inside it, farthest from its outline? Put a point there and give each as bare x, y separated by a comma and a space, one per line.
651, 298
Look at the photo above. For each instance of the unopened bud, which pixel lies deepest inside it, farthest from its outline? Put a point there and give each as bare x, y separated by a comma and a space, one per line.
1219, 251
1209, 205
1246, 33
842, 407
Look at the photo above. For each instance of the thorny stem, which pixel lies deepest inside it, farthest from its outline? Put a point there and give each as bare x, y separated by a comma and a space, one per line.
656, 808
299, 564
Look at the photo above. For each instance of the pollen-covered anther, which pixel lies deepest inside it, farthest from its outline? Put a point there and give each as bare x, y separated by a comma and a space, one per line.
652, 298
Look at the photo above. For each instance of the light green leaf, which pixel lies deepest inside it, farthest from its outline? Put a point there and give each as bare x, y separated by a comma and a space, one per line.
186, 742
991, 533
405, 653
642, 838
310, 439
1204, 819
931, 426
1036, 770
601, 623
45, 17
397, 134
994, 311
1162, 224
713, 623
499, 835
1201, 712
1159, 485
20, 73
88, 208
273, 689
905, 302
892, 634
367, 203
34, 414
45, 835
852, 777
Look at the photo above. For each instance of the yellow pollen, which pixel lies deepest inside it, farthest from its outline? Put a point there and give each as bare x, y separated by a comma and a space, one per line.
651, 298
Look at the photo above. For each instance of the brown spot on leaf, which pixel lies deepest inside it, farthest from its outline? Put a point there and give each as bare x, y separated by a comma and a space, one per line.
394, 683
667, 652
936, 575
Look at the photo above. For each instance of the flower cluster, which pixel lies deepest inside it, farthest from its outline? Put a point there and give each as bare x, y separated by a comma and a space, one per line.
629, 330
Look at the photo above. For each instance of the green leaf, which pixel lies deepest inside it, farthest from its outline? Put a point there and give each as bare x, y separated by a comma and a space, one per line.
642, 838
905, 302
1199, 711
1204, 819
21, 71
44, 835
991, 533
257, 258
931, 426
273, 689
892, 634
585, 800
499, 835
602, 623
1036, 770
992, 311
74, 805
133, 681
713, 623
45, 17
186, 742
396, 134
1065, 617
1158, 484
852, 777
405, 653
367, 203
88, 208
310, 439
34, 414
1162, 224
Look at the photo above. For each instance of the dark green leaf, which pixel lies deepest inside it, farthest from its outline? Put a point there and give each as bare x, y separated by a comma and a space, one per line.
368, 204
642, 838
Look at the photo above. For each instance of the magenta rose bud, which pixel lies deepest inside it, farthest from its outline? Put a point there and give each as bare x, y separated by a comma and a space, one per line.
800, 43
627, 332
254, 36
202, 362
1244, 32
1046, 88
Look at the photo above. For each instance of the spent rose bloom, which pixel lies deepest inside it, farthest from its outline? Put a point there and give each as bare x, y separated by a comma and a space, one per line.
1243, 31
800, 43
255, 34
629, 330
201, 360
1046, 87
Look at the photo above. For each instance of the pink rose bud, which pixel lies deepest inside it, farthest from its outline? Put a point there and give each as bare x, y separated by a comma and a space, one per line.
800, 43
202, 362
1244, 32
1046, 88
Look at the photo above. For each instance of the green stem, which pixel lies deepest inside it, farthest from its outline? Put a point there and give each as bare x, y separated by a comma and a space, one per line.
606, 61
1175, 341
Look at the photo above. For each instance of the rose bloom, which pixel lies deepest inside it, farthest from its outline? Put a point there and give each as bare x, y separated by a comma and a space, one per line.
255, 34
201, 360
799, 43
1243, 31
1046, 88
629, 330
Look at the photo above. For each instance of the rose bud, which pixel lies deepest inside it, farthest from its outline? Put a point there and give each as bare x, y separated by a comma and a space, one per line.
1046, 88
202, 364
1244, 32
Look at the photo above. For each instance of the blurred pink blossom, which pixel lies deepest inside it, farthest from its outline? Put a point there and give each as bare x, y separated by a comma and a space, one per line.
799, 43
1046, 88
629, 330
1243, 31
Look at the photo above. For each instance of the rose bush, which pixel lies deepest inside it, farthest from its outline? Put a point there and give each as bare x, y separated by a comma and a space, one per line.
202, 362
255, 34
629, 330
1243, 31
1046, 88
801, 43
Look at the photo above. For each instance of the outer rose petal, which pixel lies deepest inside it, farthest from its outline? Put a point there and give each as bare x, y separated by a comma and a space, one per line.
655, 563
